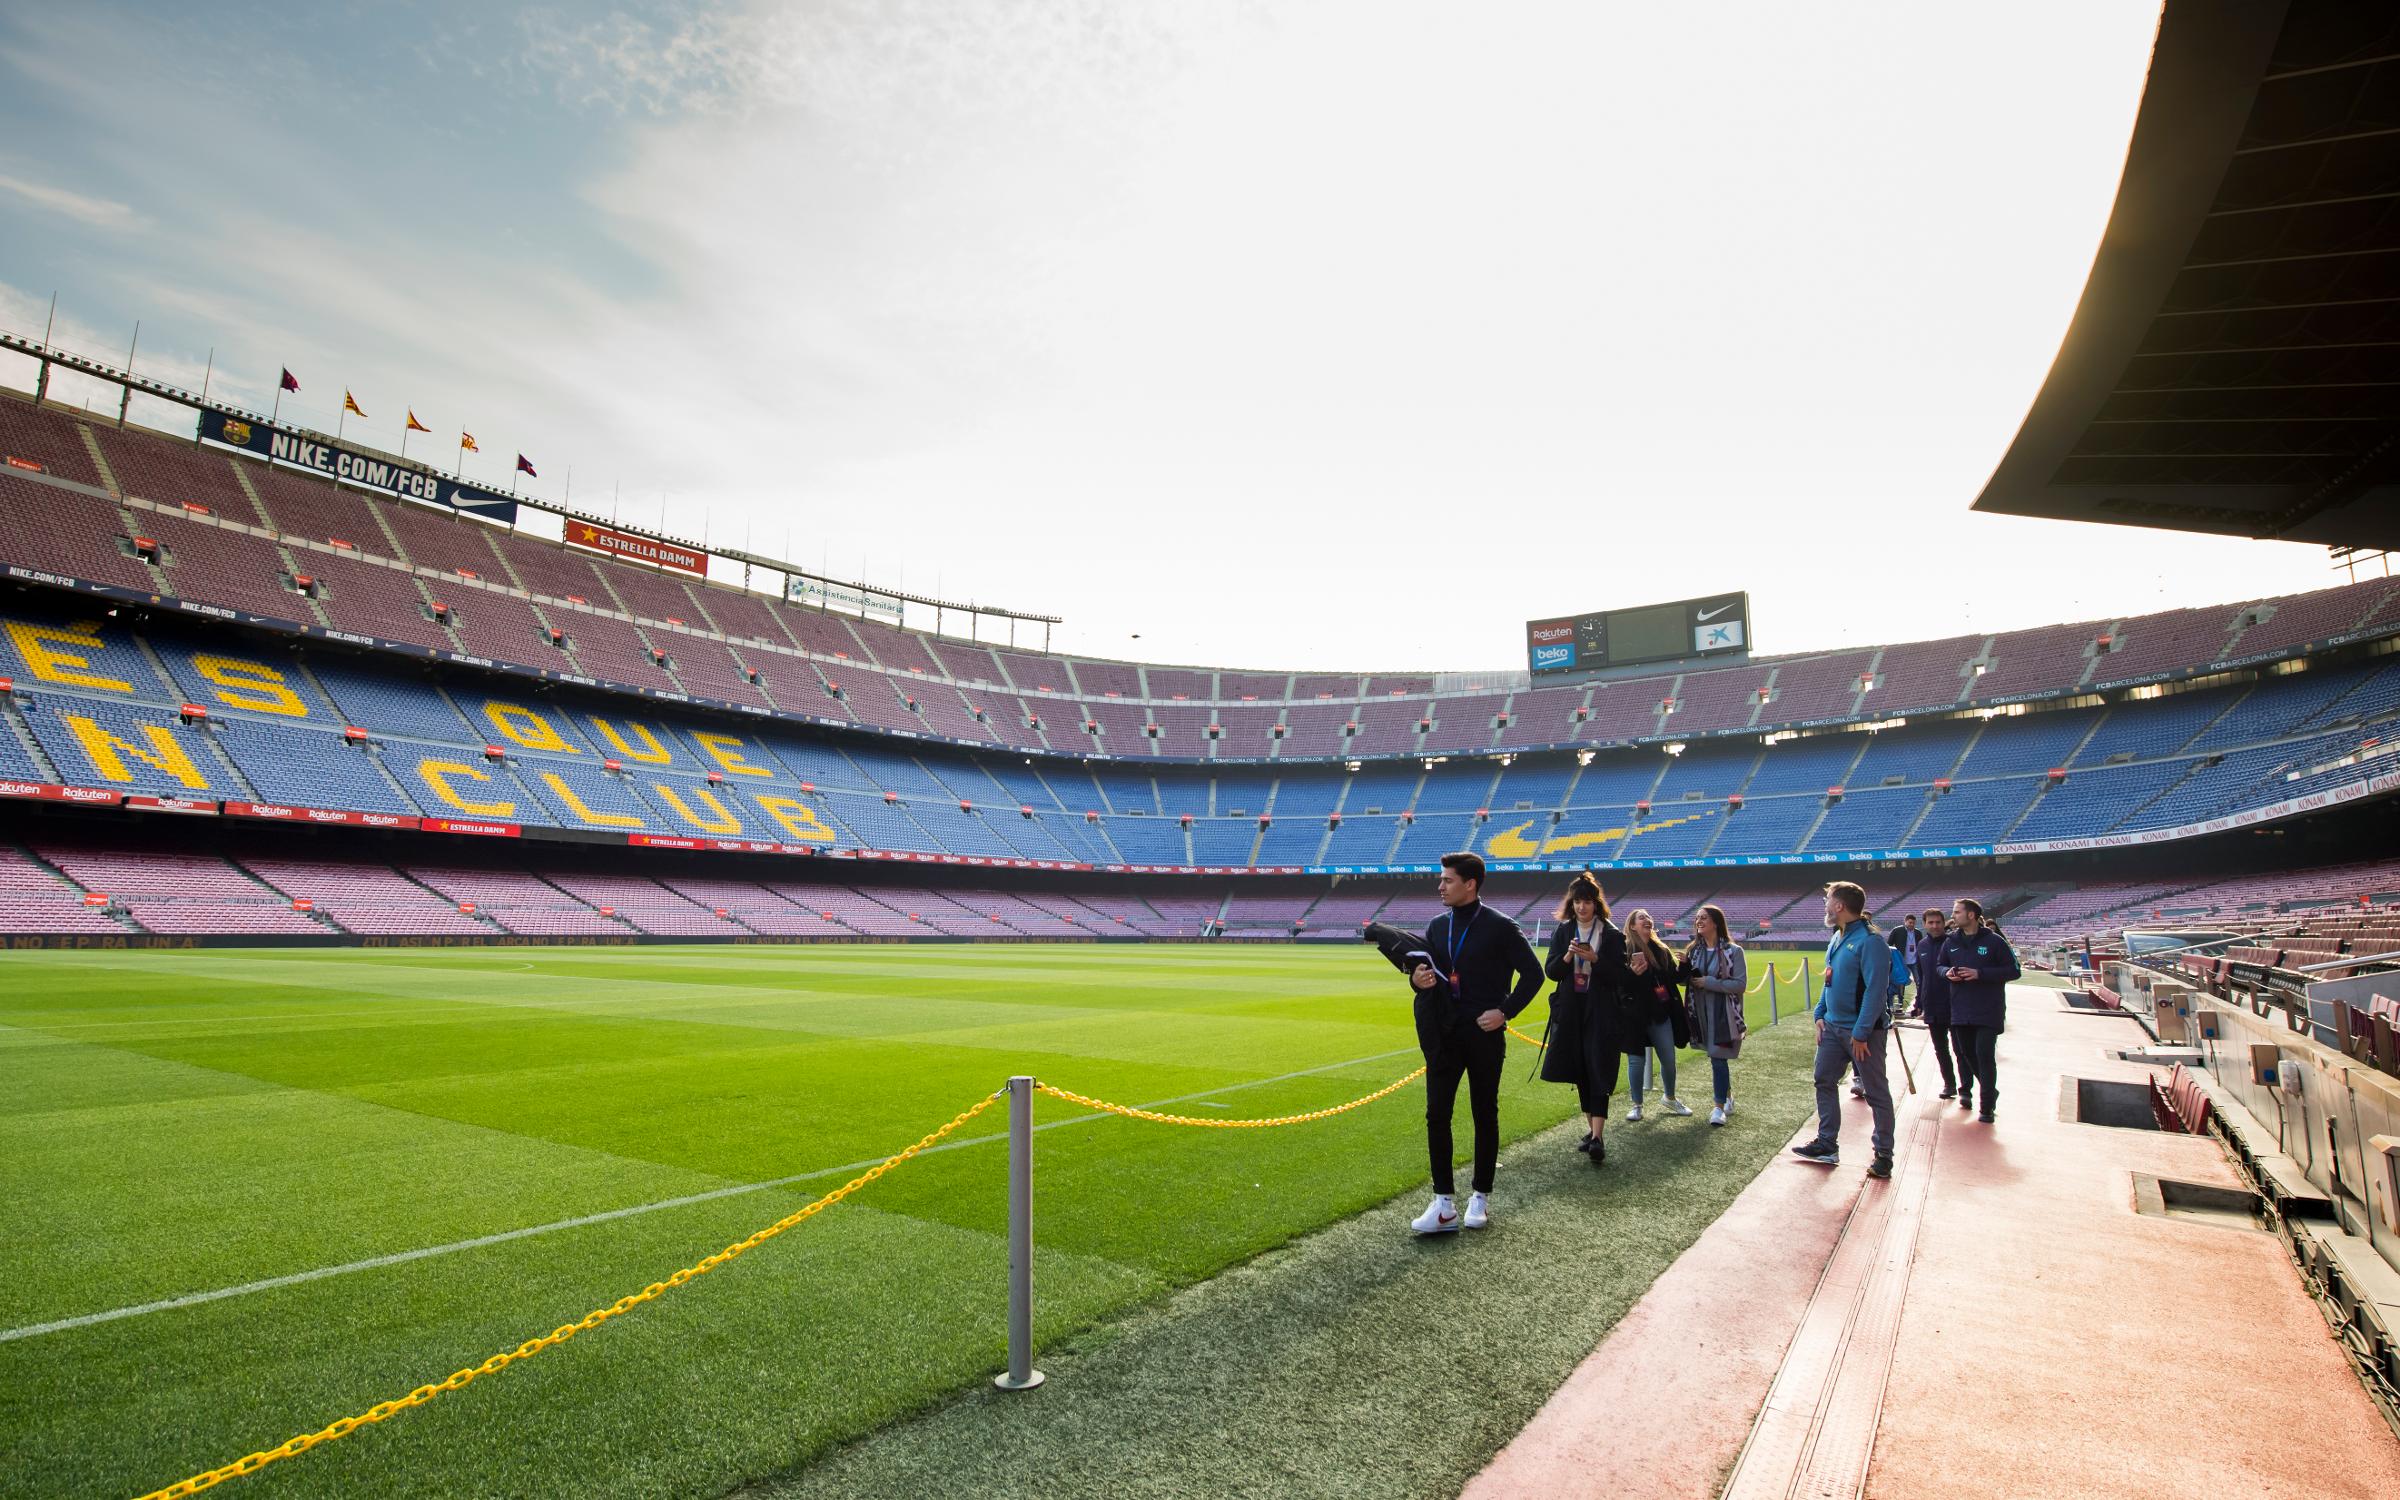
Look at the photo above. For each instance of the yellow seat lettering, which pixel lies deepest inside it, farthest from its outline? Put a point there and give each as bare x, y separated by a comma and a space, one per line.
726, 750
724, 822
107, 753
438, 774
654, 754
798, 819
47, 662
250, 684
524, 726
574, 804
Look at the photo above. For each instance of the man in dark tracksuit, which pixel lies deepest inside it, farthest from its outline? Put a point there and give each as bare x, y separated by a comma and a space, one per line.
1464, 1001
1979, 963
1933, 995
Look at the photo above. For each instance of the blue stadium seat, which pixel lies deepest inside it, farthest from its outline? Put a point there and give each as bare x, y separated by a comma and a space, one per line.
1152, 840
392, 702
1361, 841
131, 747
311, 768
77, 651
1974, 812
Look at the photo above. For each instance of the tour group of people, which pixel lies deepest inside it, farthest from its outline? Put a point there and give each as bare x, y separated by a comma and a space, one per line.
1623, 999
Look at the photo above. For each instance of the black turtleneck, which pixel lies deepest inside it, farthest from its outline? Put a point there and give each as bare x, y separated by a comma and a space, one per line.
1496, 967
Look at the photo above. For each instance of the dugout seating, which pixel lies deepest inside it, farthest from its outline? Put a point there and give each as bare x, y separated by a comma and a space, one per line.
2179, 1103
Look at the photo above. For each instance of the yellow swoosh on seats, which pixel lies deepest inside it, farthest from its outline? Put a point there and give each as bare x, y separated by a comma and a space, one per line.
1511, 843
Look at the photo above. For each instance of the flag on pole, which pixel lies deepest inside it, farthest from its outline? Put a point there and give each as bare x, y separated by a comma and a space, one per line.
350, 403
466, 442
525, 466
414, 425
291, 382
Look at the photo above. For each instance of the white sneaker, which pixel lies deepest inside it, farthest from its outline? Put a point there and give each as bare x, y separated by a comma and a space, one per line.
1440, 1217
1726, 1108
1677, 1107
1634, 1114
1717, 1116
1479, 1211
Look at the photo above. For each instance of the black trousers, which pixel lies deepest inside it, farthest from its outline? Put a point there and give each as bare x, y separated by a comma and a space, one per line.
1942, 1044
1462, 1047
1978, 1049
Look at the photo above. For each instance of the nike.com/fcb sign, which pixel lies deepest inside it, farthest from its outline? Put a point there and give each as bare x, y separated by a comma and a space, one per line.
1685, 630
408, 481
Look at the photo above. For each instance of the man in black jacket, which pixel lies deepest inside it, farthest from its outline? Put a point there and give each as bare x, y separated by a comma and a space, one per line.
1464, 1000
1933, 995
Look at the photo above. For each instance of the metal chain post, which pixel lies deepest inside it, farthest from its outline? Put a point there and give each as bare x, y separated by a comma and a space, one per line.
1020, 1375
1774, 1008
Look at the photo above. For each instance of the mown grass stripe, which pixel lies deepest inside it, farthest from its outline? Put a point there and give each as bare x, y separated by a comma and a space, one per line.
428, 1252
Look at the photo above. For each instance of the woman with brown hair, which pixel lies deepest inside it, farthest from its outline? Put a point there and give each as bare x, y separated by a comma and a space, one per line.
1716, 982
1587, 962
1653, 1018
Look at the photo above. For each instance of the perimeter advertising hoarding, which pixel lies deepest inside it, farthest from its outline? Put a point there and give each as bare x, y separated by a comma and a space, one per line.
816, 591
348, 467
639, 548
1718, 625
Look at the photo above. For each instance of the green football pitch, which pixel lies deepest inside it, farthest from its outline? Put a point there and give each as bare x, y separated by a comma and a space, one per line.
253, 1191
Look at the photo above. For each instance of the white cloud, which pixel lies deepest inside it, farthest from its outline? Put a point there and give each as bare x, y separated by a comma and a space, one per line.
99, 213
1320, 334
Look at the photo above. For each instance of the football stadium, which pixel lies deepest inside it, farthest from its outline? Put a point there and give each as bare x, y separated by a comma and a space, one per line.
501, 999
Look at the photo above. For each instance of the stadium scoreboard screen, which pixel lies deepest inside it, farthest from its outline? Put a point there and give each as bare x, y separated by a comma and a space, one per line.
1718, 625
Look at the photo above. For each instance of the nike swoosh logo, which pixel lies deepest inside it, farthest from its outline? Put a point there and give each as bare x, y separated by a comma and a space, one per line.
1710, 614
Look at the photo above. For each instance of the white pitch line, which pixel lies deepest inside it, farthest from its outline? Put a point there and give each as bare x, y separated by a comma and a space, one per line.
402, 1257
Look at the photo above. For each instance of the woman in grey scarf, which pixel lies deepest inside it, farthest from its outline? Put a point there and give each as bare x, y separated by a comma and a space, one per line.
1716, 982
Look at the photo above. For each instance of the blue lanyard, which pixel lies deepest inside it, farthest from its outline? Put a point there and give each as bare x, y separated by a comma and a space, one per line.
1458, 943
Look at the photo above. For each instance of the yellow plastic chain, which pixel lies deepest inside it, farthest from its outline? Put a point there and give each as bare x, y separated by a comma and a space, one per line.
424, 1393
1152, 1115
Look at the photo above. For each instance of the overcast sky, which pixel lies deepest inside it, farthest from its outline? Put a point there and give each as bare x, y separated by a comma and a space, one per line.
1302, 333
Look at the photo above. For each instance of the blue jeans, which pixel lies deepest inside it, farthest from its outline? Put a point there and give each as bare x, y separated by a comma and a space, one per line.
1833, 1057
1661, 1039
1720, 1079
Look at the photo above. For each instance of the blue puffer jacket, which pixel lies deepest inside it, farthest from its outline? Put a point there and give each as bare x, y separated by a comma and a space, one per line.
1858, 980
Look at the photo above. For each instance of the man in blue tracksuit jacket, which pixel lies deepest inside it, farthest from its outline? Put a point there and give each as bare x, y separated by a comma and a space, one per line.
1853, 1016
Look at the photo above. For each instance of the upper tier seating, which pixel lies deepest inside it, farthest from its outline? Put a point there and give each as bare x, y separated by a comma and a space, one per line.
50, 439
1325, 714
61, 531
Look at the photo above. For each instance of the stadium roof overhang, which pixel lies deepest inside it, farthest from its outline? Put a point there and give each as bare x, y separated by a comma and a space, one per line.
2234, 365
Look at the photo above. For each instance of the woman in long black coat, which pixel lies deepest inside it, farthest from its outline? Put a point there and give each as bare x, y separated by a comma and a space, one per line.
1587, 962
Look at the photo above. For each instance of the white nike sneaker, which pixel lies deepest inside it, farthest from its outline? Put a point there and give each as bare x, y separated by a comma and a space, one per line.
1727, 1106
1479, 1211
1440, 1217
1717, 1116
1634, 1114
1677, 1107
